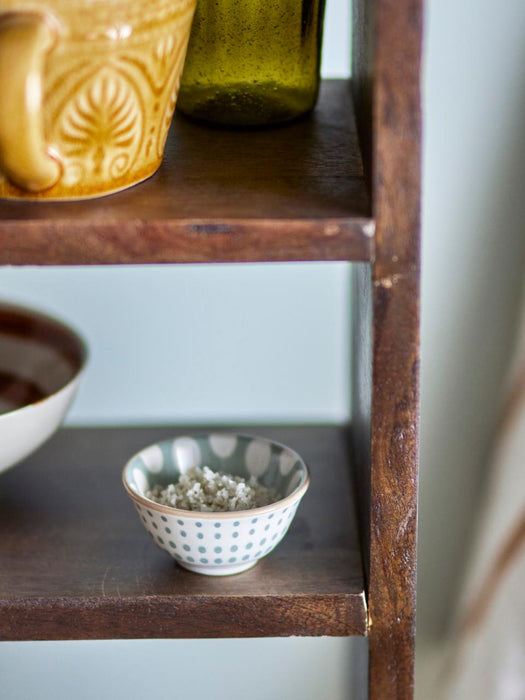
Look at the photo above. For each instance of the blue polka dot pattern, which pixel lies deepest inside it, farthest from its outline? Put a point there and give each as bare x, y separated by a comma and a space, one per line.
235, 544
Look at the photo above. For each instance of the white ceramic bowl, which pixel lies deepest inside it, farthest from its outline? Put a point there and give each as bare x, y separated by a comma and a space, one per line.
217, 543
41, 363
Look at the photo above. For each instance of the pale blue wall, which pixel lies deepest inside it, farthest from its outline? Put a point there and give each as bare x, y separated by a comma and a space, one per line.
203, 343
230, 669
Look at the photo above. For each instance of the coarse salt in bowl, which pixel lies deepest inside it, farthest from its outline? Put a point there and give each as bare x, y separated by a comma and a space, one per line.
217, 543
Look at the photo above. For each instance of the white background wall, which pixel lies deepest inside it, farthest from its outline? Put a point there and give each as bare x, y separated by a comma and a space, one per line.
246, 343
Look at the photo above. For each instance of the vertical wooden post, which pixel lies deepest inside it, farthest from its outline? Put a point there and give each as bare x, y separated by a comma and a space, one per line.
386, 68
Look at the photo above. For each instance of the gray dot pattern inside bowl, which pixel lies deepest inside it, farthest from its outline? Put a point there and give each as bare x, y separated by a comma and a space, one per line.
274, 466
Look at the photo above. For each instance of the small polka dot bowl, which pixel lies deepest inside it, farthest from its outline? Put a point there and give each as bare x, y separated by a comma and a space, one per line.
217, 543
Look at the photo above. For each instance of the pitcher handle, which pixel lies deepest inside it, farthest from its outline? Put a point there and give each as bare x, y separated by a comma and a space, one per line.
25, 39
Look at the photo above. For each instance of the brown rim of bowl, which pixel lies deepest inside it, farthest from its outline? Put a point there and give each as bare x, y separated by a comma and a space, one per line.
26, 323
228, 514
31, 324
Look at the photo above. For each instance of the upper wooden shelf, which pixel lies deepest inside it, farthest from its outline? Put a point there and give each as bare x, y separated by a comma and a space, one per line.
292, 192
76, 562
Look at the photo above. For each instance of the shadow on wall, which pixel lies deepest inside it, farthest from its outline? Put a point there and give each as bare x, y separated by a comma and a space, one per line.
473, 275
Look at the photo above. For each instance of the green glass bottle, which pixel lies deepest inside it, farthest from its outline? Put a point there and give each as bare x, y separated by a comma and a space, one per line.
252, 62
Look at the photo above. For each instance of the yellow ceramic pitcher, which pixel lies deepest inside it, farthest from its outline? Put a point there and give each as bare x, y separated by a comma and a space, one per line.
87, 92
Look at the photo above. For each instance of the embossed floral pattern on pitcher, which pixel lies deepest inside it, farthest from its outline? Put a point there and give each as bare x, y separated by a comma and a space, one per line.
109, 78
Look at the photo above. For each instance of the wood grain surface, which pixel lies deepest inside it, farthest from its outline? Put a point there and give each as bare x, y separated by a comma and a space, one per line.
387, 55
76, 563
394, 481
292, 192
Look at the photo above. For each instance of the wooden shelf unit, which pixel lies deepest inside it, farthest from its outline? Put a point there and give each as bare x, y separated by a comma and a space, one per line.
297, 192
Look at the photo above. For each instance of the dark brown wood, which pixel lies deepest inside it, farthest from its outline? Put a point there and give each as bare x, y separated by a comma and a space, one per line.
293, 192
387, 51
394, 480
397, 136
76, 563
83, 242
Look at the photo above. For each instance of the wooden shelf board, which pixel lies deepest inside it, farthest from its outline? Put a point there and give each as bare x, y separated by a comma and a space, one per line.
292, 192
76, 562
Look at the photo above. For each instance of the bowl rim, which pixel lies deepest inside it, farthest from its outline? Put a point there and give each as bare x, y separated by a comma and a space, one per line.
296, 494
65, 327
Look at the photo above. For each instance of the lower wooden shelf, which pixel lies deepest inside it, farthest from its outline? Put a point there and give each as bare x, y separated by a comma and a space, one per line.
75, 562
